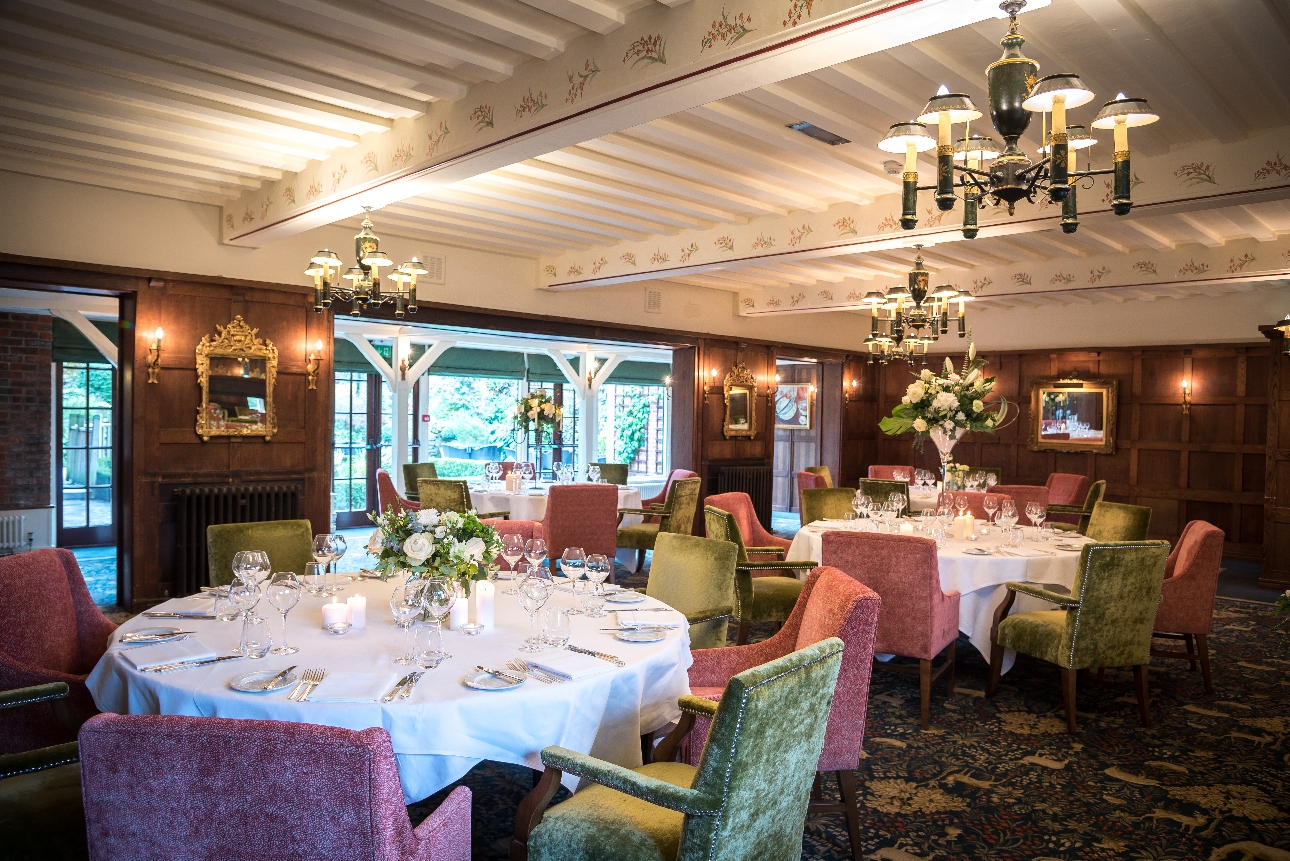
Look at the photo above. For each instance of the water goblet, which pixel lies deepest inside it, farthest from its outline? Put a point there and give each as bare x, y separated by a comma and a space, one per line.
243, 597
512, 552
405, 605
283, 593
534, 592
315, 578
573, 565
535, 552
1036, 512
897, 500
598, 568
593, 474
1007, 514
256, 641
961, 503
338, 548
437, 597
558, 627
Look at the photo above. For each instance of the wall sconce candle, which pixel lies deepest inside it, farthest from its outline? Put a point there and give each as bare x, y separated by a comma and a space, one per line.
154, 356
1186, 397
312, 363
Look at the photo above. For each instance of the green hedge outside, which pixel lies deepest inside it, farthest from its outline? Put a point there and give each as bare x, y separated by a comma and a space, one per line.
457, 467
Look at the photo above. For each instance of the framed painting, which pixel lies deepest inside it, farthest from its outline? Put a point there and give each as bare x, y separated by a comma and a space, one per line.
1073, 415
793, 407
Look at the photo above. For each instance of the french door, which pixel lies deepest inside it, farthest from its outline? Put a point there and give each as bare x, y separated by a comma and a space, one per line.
87, 468
362, 444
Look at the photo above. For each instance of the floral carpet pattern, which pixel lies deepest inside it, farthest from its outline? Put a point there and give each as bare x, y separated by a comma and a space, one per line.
1000, 779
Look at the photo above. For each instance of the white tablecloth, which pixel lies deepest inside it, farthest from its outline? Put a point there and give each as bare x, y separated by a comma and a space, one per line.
444, 728
979, 579
922, 498
532, 504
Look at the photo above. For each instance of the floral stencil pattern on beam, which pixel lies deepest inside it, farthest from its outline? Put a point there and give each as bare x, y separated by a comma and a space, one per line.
314, 189
726, 31
482, 117
934, 216
435, 138
1196, 173
228, 220
795, 300
289, 195
264, 209
1146, 267
338, 176
747, 302
370, 162
689, 251
629, 258
647, 50
597, 265
725, 243
797, 234
402, 155
826, 295
846, 226
979, 284
578, 80
762, 242
549, 270
1191, 267
1236, 264
531, 104
888, 223
772, 302
575, 269
659, 256
1061, 278
1272, 167
854, 296
796, 9
1021, 279
248, 217
1096, 275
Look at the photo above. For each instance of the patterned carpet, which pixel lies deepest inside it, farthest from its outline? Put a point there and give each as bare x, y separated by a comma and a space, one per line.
1001, 780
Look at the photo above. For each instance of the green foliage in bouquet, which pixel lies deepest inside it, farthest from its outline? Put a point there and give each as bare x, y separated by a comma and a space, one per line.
951, 400
430, 543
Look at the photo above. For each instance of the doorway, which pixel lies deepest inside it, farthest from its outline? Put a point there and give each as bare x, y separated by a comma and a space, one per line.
797, 429
85, 401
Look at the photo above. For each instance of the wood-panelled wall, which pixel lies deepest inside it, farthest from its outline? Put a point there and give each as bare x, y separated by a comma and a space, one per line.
1276, 468
1205, 466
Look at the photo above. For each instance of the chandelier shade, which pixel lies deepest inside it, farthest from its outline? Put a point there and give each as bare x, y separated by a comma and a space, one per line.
907, 319
1052, 89
364, 277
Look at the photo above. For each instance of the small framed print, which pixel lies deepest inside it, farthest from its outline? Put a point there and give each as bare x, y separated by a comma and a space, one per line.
793, 407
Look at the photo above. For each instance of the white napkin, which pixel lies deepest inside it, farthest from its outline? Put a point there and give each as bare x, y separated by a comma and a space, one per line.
189, 649
571, 665
1024, 551
610, 588
652, 619
349, 687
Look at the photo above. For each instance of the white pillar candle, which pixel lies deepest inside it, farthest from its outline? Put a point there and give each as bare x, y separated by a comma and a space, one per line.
969, 526
357, 605
906, 528
482, 597
459, 614
335, 613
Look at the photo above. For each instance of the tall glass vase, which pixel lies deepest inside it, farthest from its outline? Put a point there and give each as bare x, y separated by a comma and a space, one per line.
945, 446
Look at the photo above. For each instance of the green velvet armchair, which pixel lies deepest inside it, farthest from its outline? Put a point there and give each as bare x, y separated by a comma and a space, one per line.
823, 472
414, 472
41, 815
1114, 521
451, 494
1095, 493
1106, 620
613, 473
826, 503
696, 576
289, 544
762, 593
745, 801
878, 489
675, 517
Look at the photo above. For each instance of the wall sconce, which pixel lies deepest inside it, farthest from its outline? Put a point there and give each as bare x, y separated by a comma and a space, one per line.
154, 356
312, 362
1284, 328
1186, 395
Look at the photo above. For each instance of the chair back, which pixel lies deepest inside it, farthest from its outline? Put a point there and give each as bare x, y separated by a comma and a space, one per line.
740, 506
826, 503
1022, 495
1115, 521
1118, 584
682, 503
1191, 580
724, 526
1095, 493
1066, 488
888, 473
289, 544
581, 515
614, 473
976, 503
807, 481
38, 624
444, 494
387, 495
823, 472
761, 773
143, 778
696, 576
879, 489
660, 497
903, 570
412, 473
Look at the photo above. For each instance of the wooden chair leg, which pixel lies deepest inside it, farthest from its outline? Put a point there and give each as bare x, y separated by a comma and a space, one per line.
1068, 697
530, 812
1101, 674
1191, 649
640, 560
1202, 644
847, 784
741, 638
1140, 684
817, 787
949, 673
1081, 677
925, 689
996, 651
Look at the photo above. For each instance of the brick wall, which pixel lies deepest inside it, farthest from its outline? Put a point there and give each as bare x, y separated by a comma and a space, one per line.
26, 344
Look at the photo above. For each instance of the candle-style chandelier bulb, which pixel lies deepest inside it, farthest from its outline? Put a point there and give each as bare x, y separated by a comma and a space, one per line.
364, 289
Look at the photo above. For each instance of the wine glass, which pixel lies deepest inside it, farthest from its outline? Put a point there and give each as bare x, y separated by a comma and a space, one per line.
492, 472
437, 597
243, 597
598, 567
405, 604
961, 503
338, 548
283, 593
512, 552
321, 550
535, 552
897, 501
527, 474
991, 480
866, 504
573, 565
1007, 514
990, 503
558, 627
593, 474
900, 475
534, 592
243, 565
1036, 511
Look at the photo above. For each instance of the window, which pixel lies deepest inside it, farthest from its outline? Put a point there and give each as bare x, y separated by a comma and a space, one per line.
349, 471
85, 492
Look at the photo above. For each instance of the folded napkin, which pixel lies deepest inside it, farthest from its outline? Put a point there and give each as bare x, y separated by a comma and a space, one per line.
571, 665
1024, 551
348, 687
610, 588
189, 649
652, 619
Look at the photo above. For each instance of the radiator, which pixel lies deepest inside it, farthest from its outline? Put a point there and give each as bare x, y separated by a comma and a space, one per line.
13, 533
200, 506
755, 481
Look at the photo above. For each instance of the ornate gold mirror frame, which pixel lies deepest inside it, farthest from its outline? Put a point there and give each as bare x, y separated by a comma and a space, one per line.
1073, 415
741, 403
236, 372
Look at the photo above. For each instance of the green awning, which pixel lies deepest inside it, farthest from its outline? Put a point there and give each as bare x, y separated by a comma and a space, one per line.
640, 373
71, 346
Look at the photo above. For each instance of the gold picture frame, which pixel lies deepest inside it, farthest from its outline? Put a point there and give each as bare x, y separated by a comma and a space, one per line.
740, 390
236, 371
1073, 415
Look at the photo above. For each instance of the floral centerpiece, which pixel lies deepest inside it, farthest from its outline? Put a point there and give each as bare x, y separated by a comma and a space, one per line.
430, 543
537, 410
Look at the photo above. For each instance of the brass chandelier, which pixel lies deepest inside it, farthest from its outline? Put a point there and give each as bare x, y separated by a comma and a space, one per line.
1007, 175
364, 277
907, 320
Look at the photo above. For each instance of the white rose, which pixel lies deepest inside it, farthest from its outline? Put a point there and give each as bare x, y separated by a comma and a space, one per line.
989, 422
533, 413
916, 391
474, 548
417, 548
905, 399
926, 374
549, 409
374, 543
978, 406
945, 401
954, 378
428, 517
961, 417
920, 425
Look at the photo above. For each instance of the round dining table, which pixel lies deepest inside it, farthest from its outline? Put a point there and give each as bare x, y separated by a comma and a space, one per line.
444, 727
978, 570
531, 504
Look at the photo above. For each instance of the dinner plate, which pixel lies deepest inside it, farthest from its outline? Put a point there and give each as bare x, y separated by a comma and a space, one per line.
625, 598
482, 681
253, 683
977, 551
1074, 547
148, 636
650, 636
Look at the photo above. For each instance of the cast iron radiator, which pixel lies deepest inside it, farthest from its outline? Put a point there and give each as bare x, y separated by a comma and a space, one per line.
202, 505
752, 480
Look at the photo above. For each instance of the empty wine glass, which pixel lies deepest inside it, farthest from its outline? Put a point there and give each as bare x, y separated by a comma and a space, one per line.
558, 627
527, 475
512, 552
1007, 514
405, 604
961, 503
897, 501
990, 503
437, 597
243, 597
593, 474
991, 480
573, 565
283, 593
535, 552
534, 592
1036, 511
900, 475
598, 568
315, 578
338, 548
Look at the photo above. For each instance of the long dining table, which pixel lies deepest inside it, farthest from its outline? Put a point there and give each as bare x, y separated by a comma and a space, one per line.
531, 504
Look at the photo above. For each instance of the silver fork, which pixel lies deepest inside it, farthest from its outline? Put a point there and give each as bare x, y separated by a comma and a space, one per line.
515, 665
307, 681
542, 675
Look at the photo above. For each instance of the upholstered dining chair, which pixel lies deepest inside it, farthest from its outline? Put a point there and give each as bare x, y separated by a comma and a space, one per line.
414, 472
315, 792
40, 790
765, 590
1187, 595
580, 515
1105, 621
888, 473
976, 503
696, 576
289, 544
676, 516
613, 473
1022, 495
823, 472
1063, 516
808, 481
832, 604
451, 494
50, 632
745, 801
878, 489
826, 503
918, 619
1067, 488
1115, 521
387, 495
658, 499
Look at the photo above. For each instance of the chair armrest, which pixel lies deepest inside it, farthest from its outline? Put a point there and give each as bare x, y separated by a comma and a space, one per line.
493, 515
13, 764
644, 512
698, 706
1060, 508
709, 615
33, 694
775, 549
632, 783
1037, 592
445, 826
803, 565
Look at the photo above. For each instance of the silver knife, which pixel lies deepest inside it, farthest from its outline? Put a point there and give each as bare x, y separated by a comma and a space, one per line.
146, 638
412, 683
508, 676
176, 616
395, 690
183, 665
279, 677
604, 657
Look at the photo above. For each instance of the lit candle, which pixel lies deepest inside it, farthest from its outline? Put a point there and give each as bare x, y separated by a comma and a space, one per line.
459, 614
906, 528
482, 597
335, 613
357, 606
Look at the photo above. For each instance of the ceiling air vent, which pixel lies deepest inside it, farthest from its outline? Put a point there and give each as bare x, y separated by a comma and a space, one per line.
653, 301
819, 134
436, 269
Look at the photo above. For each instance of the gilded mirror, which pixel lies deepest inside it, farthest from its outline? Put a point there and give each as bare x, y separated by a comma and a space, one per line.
741, 403
236, 371
1073, 415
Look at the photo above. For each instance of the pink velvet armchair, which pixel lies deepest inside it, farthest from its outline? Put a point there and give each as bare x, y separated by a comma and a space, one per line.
1187, 595
660, 499
580, 515
832, 604
757, 541
526, 529
918, 619
807, 481
158, 787
387, 495
975, 502
1066, 488
50, 631
1021, 495
888, 473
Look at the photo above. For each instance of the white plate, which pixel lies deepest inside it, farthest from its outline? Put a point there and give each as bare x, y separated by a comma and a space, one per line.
163, 635
482, 681
1074, 547
650, 636
976, 551
253, 683
625, 598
